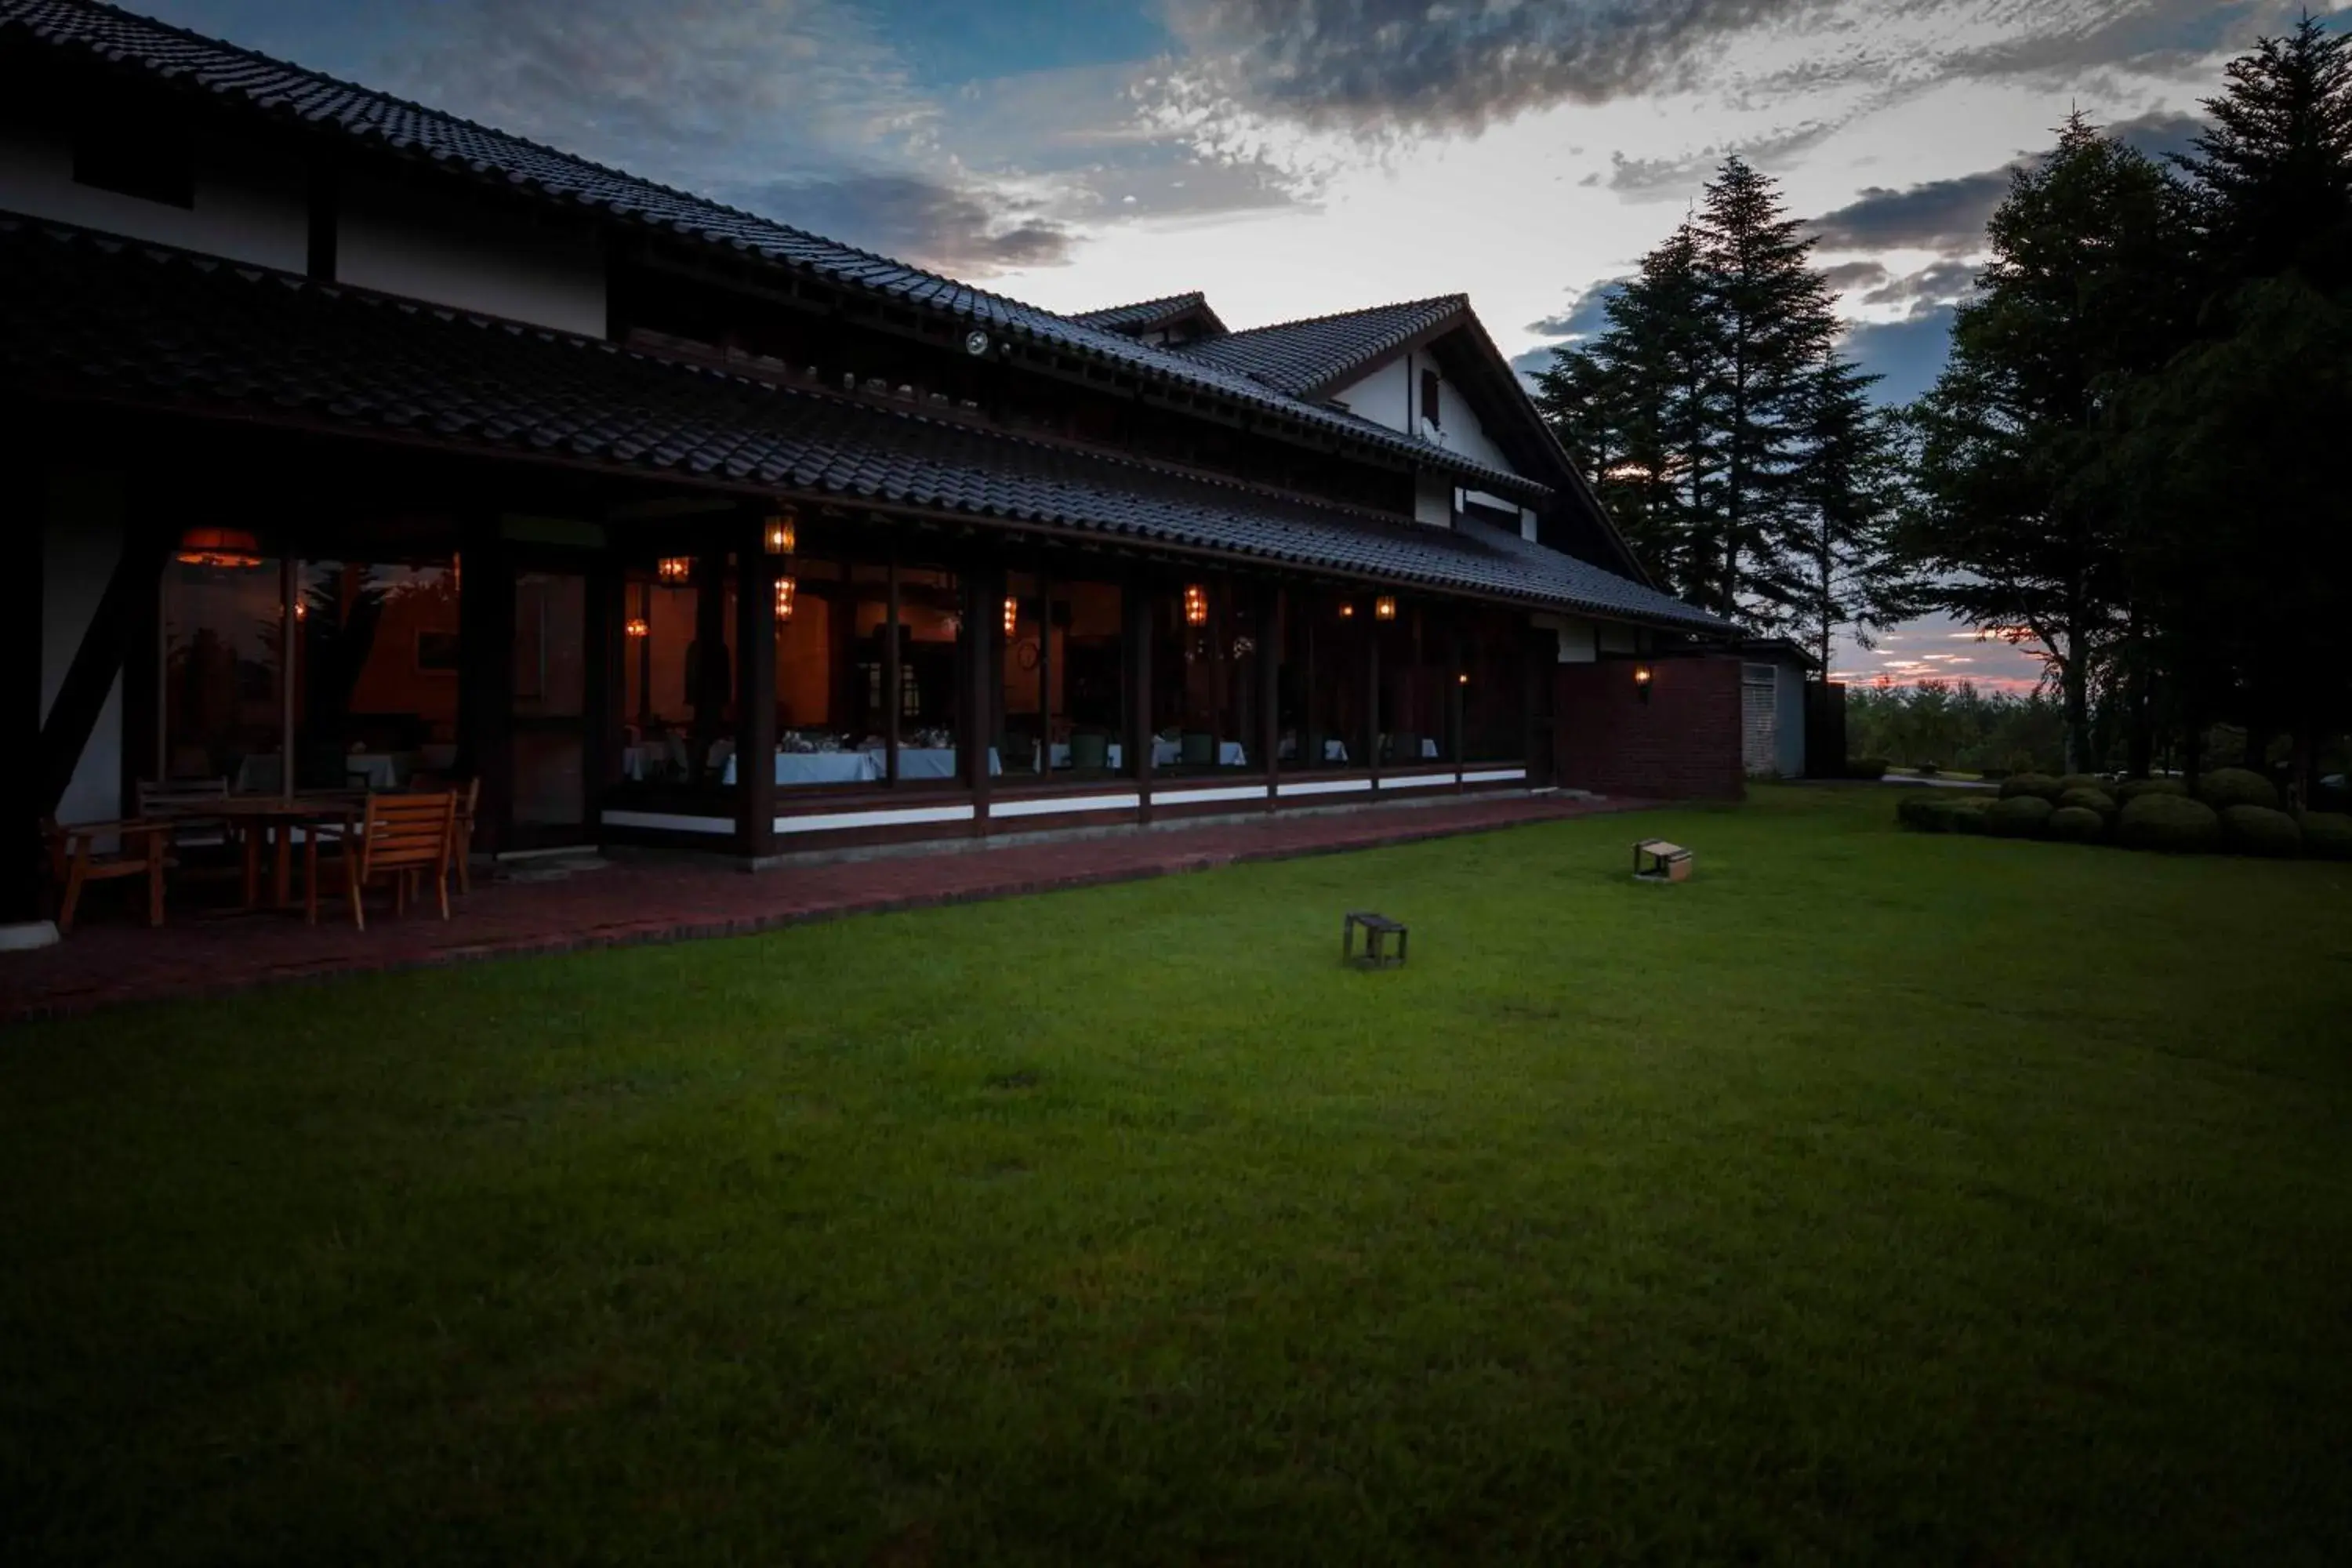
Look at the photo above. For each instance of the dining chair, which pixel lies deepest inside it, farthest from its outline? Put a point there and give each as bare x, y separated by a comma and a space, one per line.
401, 838
76, 858
199, 844
461, 843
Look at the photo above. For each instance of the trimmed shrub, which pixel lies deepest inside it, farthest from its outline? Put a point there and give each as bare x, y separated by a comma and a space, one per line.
1866, 767
2083, 781
2258, 830
2018, 816
2041, 786
2226, 787
1934, 811
2131, 790
2169, 822
2327, 834
2082, 799
2077, 824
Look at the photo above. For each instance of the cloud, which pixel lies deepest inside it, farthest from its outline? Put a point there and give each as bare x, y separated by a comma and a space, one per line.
1586, 315
1941, 283
1941, 215
1848, 276
917, 220
2160, 135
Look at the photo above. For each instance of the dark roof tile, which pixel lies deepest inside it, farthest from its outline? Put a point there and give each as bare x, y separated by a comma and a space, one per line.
1295, 357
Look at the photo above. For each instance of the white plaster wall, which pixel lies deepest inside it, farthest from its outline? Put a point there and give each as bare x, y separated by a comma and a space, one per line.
1433, 499
83, 537
250, 204
1615, 637
454, 249
1579, 641
1391, 397
1379, 397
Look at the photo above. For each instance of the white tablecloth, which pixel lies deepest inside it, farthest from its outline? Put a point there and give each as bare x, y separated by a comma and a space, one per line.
819, 767
1167, 753
369, 770
934, 763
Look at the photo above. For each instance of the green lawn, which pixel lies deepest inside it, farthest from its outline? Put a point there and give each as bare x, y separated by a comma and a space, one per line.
1874, 1197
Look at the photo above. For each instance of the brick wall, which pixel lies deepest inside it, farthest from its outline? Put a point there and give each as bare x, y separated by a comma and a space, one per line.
1682, 743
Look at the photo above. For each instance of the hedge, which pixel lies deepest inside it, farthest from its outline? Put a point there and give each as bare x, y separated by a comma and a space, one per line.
1866, 767
2083, 781
2168, 822
2226, 787
2327, 834
2078, 823
1935, 811
2038, 786
2018, 816
2131, 790
2259, 830
2096, 800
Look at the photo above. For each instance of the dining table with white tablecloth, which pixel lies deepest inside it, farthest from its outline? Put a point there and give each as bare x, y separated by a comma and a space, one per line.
864, 766
369, 770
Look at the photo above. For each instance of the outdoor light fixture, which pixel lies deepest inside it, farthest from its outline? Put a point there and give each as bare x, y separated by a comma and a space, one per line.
784, 588
1641, 674
1011, 615
1384, 608
635, 626
675, 568
1346, 611
301, 609
229, 547
1196, 605
1463, 679
782, 537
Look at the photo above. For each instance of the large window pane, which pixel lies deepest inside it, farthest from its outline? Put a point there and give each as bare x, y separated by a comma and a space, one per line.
222, 713
678, 716
1204, 678
1493, 702
1416, 665
375, 674
1063, 692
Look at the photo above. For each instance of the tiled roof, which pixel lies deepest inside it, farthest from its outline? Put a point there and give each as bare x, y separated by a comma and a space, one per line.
1294, 357
293, 93
92, 318
1146, 314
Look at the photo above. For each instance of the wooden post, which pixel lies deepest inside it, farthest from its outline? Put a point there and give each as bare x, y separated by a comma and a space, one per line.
1373, 695
984, 682
1309, 607
486, 636
607, 685
1269, 686
755, 692
289, 590
1045, 765
24, 518
1135, 631
894, 677
144, 755
710, 681
60, 737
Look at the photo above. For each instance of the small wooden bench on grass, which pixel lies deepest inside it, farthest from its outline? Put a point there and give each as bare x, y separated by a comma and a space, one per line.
1656, 861
1376, 930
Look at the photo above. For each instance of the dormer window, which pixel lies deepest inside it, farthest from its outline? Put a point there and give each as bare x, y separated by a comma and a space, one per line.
135, 155
1429, 389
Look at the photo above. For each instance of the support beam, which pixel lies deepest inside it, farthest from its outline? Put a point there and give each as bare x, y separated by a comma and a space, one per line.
1269, 684
755, 691
984, 637
1135, 631
894, 677
1371, 631
24, 523
605, 686
710, 683
486, 639
130, 588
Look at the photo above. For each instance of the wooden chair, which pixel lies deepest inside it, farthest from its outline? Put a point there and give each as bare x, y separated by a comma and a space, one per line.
401, 837
195, 837
75, 858
461, 845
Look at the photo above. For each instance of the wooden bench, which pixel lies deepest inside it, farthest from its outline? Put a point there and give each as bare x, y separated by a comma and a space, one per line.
1376, 930
1656, 861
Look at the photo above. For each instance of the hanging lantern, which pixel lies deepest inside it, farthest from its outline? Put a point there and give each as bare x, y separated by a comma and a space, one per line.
1642, 675
1463, 679
232, 548
784, 588
1384, 608
1012, 617
635, 626
1196, 605
301, 609
1346, 611
675, 568
782, 537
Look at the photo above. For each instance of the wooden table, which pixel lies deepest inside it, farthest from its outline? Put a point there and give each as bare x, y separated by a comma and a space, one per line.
276, 817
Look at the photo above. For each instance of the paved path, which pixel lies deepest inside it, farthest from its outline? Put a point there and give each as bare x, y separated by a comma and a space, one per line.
108, 960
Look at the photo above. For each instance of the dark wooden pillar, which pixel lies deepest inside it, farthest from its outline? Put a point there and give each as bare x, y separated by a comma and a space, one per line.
23, 523
1269, 683
1308, 607
1135, 632
1372, 691
486, 636
755, 691
606, 684
1457, 703
893, 678
710, 681
1045, 762
983, 634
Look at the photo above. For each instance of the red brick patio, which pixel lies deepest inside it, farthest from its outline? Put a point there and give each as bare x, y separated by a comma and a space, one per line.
108, 960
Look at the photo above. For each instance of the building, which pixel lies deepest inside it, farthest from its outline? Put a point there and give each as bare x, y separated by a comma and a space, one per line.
349, 440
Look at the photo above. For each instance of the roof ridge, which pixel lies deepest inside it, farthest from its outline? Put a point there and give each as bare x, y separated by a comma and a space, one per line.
1449, 300
1185, 295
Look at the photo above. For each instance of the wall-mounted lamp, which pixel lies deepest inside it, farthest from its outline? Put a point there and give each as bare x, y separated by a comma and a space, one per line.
1196, 605
674, 568
1012, 616
1384, 608
1642, 675
782, 537
635, 626
1463, 679
785, 587
1346, 611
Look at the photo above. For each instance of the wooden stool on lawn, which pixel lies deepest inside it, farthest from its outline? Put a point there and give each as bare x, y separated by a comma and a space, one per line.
1655, 861
1376, 930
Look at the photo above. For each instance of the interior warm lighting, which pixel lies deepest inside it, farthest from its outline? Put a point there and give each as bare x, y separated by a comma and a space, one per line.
783, 538
1196, 605
229, 547
636, 626
1642, 673
1384, 608
1463, 679
301, 609
675, 568
1346, 611
785, 588
1012, 617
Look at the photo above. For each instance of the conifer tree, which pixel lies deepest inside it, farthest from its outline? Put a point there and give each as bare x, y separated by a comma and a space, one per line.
1842, 539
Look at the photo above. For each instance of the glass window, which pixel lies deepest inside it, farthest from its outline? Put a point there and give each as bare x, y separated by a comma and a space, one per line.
1328, 639
676, 713
376, 675
222, 711
1494, 717
1416, 666
1064, 697
1204, 679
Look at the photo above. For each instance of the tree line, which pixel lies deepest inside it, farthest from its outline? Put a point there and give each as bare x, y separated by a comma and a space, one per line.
2129, 464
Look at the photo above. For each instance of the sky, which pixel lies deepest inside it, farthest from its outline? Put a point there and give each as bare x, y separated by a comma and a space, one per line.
1296, 157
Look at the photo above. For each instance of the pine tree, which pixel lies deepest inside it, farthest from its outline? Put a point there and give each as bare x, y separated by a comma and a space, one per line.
2273, 172
1772, 327
2020, 510
1842, 539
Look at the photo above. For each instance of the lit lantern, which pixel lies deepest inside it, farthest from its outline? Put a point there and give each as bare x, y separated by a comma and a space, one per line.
784, 588
1463, 679
1012, 616
1196, 605
635, 626
782, 537
301, 609
1346, 611
227, 547
1384, 608
675, 568
1641, 674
